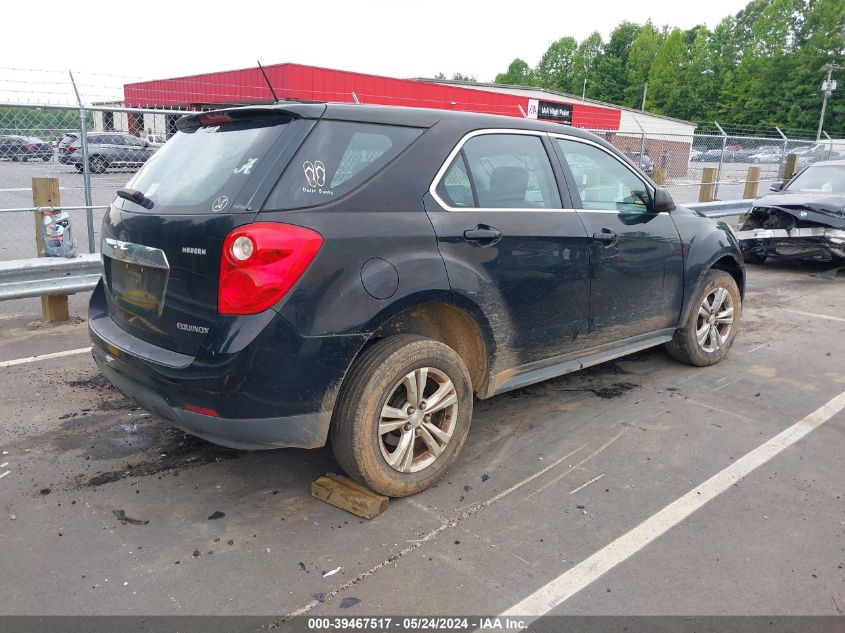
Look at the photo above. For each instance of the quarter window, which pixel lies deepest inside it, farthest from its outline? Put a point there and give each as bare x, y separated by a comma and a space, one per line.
455, 188
510, 171
603, 182
337, 157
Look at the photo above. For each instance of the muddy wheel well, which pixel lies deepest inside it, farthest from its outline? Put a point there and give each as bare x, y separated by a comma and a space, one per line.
447, 324
729, 265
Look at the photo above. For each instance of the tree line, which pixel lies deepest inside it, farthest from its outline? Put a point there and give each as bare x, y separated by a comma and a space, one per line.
758, 69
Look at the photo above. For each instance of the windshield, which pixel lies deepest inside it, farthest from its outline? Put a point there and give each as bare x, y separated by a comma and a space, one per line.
200, 166
820, 179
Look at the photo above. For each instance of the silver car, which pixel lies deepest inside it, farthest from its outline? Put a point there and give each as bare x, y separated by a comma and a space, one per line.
105, 150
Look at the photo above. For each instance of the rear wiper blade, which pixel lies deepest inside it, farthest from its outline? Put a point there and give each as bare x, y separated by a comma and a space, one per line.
133, 195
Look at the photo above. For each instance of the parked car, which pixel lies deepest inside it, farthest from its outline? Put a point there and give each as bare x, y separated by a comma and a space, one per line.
643, 161
276, 275
804, 220
105, 150
23, 148
767, 154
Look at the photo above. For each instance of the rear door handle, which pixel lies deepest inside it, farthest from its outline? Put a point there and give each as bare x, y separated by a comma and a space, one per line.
605, 236
483, 235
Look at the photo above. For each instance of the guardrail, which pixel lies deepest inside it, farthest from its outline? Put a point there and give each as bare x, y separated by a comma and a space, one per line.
45, 276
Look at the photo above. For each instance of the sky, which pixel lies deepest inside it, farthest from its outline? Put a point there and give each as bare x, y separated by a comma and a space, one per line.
108, 43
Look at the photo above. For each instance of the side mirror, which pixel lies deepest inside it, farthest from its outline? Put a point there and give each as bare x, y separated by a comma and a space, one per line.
776, 186
146, 143
662, 202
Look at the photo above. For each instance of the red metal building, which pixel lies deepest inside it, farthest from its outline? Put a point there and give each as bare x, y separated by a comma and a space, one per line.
309, 83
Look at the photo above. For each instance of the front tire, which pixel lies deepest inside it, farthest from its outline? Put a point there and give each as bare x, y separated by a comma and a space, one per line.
713, 322
402, 415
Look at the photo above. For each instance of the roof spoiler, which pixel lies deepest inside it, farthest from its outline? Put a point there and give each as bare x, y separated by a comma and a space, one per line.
252, 113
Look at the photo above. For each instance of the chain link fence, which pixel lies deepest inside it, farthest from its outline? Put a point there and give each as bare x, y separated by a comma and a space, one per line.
90, 151
679, 160
94, 150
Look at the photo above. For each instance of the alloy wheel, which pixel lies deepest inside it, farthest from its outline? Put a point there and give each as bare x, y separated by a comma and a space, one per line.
715, 320
418, 419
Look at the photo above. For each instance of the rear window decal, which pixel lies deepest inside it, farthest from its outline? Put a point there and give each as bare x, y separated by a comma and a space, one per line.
246, 168
220, 203
315, 174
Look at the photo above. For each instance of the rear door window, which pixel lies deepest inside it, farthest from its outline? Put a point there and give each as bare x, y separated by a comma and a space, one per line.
337, 157
511, 171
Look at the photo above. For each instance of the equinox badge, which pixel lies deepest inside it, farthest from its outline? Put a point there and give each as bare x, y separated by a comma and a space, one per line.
188, 327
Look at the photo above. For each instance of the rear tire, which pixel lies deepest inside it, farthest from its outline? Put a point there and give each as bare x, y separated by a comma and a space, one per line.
712, 324
97, 165
381, 434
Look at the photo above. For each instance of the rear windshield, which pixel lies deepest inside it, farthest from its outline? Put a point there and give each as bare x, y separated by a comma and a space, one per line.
820, 179
202, 169
337, 157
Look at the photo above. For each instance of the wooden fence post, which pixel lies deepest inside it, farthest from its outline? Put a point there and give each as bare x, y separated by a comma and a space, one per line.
752, 181
45, 193
708, 185
791, 167
659, 176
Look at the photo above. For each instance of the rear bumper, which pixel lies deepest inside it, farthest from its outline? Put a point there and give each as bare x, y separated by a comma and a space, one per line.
270, 386
307, 430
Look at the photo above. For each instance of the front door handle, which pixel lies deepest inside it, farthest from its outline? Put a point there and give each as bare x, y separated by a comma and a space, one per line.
605, 236
483, 235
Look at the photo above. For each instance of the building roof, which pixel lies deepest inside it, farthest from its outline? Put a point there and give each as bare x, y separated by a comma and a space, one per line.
310, 83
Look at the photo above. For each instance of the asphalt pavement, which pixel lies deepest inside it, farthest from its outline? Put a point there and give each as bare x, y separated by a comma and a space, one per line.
581, 491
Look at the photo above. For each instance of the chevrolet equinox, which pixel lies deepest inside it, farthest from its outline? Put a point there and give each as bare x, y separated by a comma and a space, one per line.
292, 274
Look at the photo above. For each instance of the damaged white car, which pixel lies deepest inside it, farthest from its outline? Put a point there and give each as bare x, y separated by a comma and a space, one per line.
803, 220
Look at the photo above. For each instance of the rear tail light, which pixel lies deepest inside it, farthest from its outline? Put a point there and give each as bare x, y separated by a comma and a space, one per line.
71, 149
260, 263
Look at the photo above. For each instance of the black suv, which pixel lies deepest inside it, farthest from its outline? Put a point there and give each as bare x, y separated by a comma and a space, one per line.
277, 275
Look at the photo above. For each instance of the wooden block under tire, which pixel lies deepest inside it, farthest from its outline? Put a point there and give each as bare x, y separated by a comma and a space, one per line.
348, 495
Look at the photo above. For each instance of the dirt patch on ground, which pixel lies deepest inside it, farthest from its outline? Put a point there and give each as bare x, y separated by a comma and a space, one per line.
111, 398
39, 324
613, 390
97, 381
183, 451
